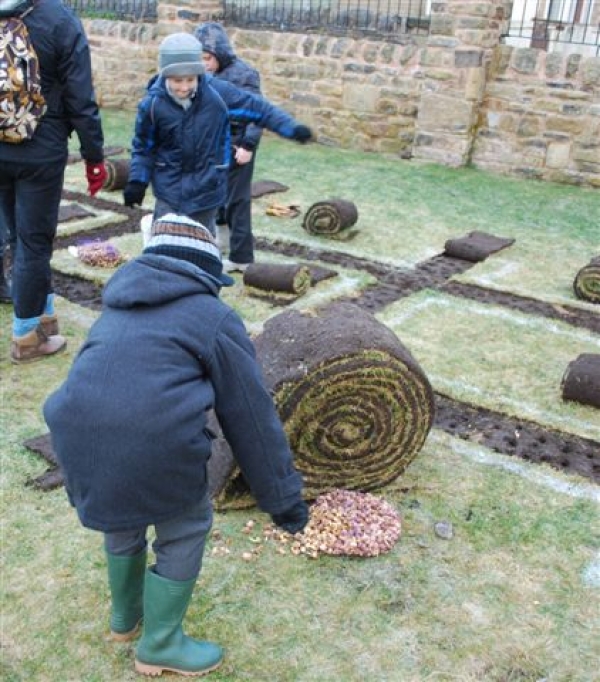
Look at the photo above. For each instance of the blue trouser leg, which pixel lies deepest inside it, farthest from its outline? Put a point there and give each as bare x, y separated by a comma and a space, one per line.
179, 544
29, 203
238, 212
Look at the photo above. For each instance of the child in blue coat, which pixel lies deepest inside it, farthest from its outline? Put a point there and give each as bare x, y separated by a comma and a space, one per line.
129, 428
182, 142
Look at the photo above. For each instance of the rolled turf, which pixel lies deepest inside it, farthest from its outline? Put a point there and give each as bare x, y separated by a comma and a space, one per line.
329, 218
587, 282
355, 405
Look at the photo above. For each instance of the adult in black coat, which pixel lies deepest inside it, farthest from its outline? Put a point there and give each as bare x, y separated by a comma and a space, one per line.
32, 171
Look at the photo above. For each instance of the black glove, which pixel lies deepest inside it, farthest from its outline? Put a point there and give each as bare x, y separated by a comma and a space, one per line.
294, 519
134, 193
302, 134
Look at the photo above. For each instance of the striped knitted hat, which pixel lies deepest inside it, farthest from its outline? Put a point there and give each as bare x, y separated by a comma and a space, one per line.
180, 54
180, 237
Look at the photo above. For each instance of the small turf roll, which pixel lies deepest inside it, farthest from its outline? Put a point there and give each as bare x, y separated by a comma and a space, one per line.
329, 218
476, 246
293, 279
587, 282
117, 174
581, 380
354, 403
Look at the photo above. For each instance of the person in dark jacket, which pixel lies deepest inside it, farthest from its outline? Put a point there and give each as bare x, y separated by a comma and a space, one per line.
182, 142
32, 171
221, 60
129, 428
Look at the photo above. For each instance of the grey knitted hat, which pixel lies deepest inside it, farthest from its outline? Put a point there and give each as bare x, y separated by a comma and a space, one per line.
180, 54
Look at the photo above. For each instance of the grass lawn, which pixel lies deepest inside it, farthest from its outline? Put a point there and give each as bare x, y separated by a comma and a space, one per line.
506, 361
512, 596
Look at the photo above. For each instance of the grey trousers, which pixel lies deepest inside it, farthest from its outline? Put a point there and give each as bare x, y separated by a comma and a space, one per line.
178, 546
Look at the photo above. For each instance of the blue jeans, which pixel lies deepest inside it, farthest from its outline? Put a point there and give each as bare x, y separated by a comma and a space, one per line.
6, 244
29, 203
179, 544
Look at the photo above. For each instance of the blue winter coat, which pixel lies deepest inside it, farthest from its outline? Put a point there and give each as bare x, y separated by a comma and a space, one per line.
65, 66
236, 71
185, 153
129, 423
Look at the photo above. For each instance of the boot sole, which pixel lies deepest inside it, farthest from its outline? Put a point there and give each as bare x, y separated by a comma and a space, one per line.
156, 670
35, 358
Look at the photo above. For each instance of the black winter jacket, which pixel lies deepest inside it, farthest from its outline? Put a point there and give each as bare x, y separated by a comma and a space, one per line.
129, 423
236, 71
65, 65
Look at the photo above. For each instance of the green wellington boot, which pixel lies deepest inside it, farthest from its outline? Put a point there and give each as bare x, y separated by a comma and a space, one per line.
163, 645
126, 582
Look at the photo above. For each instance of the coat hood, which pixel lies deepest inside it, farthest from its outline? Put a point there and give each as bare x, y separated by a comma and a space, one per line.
12, 8
152, 280
215, 40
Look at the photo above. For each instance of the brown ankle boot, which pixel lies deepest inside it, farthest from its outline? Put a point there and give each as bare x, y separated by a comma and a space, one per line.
35, 345
49, 324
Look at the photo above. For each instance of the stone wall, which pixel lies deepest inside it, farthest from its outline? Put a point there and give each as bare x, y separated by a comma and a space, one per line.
459, 97
541, 117
354, 93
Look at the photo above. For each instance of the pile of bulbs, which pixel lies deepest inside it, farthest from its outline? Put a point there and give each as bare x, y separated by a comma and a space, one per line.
99, 254
346, 522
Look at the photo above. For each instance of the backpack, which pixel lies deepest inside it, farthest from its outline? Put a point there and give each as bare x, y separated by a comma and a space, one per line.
22, 104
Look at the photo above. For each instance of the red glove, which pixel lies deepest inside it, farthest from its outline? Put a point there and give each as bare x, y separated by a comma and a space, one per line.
96, 176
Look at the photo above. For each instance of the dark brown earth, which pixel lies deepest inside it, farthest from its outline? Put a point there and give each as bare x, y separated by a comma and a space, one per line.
499, 432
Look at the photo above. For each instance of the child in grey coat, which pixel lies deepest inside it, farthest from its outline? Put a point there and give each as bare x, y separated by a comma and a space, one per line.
129, 428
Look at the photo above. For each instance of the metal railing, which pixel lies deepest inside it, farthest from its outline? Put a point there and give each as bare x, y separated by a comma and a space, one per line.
378, 18
554, 24
545, 24
132, 10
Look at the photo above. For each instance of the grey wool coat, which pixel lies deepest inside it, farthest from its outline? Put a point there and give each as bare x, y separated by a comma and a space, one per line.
129, 423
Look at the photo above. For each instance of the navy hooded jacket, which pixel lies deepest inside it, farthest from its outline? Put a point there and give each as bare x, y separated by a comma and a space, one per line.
65, 67
129, 423
236, 71
185, 153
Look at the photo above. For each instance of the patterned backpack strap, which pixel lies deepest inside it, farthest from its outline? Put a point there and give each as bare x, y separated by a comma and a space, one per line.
22, 104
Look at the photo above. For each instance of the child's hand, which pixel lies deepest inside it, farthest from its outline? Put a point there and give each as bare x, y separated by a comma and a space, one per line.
242, 156
134, 193
294, 519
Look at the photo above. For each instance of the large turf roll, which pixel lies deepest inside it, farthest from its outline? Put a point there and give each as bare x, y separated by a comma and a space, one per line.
117, 174
354, 403
329, 218
293, 279
587, 282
